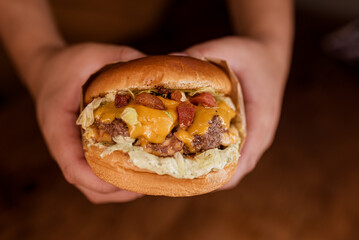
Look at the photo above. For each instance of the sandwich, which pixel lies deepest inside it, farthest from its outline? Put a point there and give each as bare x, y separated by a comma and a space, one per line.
163, 125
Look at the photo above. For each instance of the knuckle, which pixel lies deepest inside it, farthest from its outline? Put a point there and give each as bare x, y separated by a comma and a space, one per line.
269, 138
89, 45
69, 176
231, 185
199, 51
103, 189
202, 51
128, 53
268, 142
126, 49
252, 165
84, 50
94, 199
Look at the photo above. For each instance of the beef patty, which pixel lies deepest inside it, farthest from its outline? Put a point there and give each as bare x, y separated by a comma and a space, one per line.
115, 128
212, 139
171, 145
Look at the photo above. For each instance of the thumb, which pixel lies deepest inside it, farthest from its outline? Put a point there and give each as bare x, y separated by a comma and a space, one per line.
108, 53
125, 53
97, 55
206, 49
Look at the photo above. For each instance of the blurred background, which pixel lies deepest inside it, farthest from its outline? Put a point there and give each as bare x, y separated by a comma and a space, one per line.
306, 186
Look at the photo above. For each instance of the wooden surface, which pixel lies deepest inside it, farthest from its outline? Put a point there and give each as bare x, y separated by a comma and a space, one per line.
305, 187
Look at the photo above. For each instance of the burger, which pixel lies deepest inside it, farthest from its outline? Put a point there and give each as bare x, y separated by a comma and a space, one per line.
163, 125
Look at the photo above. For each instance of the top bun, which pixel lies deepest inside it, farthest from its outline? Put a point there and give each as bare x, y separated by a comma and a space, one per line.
172, 72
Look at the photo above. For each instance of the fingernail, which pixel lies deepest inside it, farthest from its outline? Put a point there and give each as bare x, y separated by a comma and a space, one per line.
178, 54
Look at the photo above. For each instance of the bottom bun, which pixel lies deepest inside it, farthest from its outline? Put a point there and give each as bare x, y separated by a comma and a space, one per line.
116, 168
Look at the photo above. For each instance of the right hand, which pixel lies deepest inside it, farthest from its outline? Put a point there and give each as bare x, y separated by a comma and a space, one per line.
261, 70
56, 86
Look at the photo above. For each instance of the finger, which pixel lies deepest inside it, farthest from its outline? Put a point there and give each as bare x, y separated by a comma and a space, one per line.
67, 149
118, 196
108, 53
127, 53
65, 138
104, 54
223, 49
210, 49
246, 162
260, 131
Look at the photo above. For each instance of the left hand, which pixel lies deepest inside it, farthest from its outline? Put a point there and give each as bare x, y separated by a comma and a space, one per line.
261, 70
57, 89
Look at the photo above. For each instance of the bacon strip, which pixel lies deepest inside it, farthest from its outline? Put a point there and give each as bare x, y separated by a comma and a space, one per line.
149, 100
122, 100
205, 99
163, 90
176, 95
185, 114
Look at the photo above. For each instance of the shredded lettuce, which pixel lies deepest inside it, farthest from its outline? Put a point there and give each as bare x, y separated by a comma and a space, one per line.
227, 100
183, 98
180, 163
86, 117
146, 91
123, 140
110, 97
123, 143
132, 94
168, 114
201, 90
177, 166
180, 167
130, 116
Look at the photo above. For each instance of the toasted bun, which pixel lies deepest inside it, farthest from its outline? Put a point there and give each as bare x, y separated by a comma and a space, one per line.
116, 168
172, 72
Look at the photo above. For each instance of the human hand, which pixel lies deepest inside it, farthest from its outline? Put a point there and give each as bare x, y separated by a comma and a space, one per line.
261, 68
56, 86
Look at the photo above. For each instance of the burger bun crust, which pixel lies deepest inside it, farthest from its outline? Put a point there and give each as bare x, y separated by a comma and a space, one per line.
172, 72
116, 168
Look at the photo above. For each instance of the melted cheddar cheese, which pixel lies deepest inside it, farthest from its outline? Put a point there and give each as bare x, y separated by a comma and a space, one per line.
156, 124
108, 112
186, 138
204, 115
